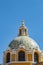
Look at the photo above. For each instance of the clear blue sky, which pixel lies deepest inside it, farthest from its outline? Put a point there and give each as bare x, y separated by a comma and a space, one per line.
11, 14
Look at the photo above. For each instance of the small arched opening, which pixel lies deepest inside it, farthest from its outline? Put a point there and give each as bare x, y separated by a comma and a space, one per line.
8, 57
21, 56
36, 57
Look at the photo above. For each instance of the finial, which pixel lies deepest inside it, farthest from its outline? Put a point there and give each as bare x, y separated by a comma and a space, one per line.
22, 22
23, 30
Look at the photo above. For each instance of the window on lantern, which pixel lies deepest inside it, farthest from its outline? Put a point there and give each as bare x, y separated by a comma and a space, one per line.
20, 32
25, 31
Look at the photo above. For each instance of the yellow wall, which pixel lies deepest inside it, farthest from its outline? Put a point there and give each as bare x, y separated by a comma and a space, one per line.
41, 59
20, 64
30, 57
25, 63
13, 57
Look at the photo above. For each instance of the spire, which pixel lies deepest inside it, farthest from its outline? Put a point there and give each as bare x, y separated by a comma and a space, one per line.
23, 31
22, 22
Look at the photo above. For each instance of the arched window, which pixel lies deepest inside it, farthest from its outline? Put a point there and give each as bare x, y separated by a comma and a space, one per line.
25, 30
35, 57
21, 56
8, 57
20, 32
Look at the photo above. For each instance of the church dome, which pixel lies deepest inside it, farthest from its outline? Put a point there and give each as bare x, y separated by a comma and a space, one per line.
23, 40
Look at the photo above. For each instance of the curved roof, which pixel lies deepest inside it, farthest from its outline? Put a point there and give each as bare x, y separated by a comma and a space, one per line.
25, 42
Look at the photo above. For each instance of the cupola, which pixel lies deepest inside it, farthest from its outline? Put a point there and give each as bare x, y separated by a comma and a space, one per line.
23, 31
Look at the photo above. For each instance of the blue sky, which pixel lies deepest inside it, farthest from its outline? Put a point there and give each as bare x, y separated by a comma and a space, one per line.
12, 12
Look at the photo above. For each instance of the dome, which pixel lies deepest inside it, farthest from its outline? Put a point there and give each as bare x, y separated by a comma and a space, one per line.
25, 42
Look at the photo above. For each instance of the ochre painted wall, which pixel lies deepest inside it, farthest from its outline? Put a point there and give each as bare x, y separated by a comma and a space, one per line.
30, 57
39, 64
20, 64
13, 57
42, 59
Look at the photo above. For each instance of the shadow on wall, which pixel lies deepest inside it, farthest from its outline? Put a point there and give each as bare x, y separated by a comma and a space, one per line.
41, 63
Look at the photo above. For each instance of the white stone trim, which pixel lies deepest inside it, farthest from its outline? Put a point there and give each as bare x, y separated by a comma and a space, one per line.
25, 56
20, 62
10, 56
33, 56
13, 52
